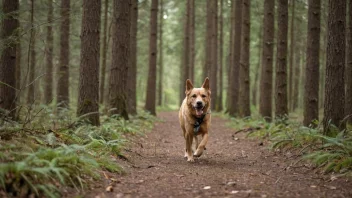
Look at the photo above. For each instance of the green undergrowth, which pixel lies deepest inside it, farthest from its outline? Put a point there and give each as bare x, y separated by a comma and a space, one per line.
330, 154
46, 152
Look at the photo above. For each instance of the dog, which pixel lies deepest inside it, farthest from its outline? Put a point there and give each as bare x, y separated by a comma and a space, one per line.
194, 117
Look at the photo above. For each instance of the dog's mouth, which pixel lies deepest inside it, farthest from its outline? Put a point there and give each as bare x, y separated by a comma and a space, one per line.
199, 110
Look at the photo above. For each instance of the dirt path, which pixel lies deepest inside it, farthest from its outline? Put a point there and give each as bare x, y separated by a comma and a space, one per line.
229, 168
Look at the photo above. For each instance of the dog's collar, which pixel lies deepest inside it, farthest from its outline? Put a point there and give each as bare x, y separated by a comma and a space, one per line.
198, 122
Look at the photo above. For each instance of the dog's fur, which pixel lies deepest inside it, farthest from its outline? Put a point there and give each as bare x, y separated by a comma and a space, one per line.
195, 105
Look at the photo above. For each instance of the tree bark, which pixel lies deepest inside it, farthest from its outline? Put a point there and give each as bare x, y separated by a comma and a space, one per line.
9, 36
297, 74
311, 96
244, 61
235, 70
104, 49
214, 54
186, 51
221, 55
88, 88
48, 87
266, 80
151, 86
32, 62
334, 105
348, 75
208, 40
160, 84
132, 70
230, 57
292, 54
281, 110
192, 40
120, 58
256, 75
63, 76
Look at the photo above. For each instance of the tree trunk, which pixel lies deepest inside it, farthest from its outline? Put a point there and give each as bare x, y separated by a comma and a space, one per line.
9, 36
292, 54
104, 49
48, 88
63, 78
132, 70
192, 40
208, 39
334, 104
88, 88
186, 51
297, 74
311, 88
120, 58
151, 86
281, 110
160, 85
348, 75
235, 70
221, 55
256, 75
214, 54
230, 57
266, 80
32, 62
245, 65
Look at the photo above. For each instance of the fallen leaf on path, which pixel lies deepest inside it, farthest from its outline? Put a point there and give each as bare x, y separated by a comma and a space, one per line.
313, 186
231, 183
207, 187
330, 187
234, 192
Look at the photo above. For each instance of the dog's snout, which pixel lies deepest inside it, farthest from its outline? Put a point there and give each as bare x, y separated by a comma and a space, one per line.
199, 103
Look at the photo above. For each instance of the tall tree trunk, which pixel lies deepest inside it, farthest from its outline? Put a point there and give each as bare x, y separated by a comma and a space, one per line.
244, 61
221, 55
292, 54
63, 78
256, 75
192, 40
230, 57
151, 86
132, 70
32, 62
8, 59
88, 88
281, 110
235, 70
311, 96
104, 49
266, 80
120, 58
208, 39
349, 64
297, 74
48, 88
334, 105
160, 85
186, 51
214, 54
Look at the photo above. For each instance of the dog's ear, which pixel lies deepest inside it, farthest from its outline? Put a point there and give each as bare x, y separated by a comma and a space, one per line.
206, 84
189, 86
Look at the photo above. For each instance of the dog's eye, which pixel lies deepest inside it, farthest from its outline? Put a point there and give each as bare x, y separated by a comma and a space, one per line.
203, 96
193, 96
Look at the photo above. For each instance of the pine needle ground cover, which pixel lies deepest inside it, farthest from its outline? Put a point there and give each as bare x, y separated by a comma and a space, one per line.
328, 154
46, 152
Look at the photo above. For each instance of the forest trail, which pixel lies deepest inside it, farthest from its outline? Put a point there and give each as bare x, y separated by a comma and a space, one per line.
229, 168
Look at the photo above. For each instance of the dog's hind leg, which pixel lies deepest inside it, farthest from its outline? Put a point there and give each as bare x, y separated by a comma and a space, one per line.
201, 146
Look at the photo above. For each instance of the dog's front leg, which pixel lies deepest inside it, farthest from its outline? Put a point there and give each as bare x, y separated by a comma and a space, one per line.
201, 146
189, 141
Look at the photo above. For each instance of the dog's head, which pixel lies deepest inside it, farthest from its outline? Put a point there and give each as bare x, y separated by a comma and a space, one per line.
198, 99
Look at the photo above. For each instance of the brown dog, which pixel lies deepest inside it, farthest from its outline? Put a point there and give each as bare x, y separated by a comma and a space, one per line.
194, 117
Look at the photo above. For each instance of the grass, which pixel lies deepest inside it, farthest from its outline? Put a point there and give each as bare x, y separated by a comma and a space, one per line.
330, 154
48, 150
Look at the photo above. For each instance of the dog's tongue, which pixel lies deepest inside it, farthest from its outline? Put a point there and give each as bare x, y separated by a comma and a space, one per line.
199, 112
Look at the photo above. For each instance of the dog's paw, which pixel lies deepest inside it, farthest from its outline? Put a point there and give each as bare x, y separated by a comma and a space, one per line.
190, 159
198, 153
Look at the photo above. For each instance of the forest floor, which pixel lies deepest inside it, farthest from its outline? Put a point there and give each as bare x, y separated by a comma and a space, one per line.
231, 167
